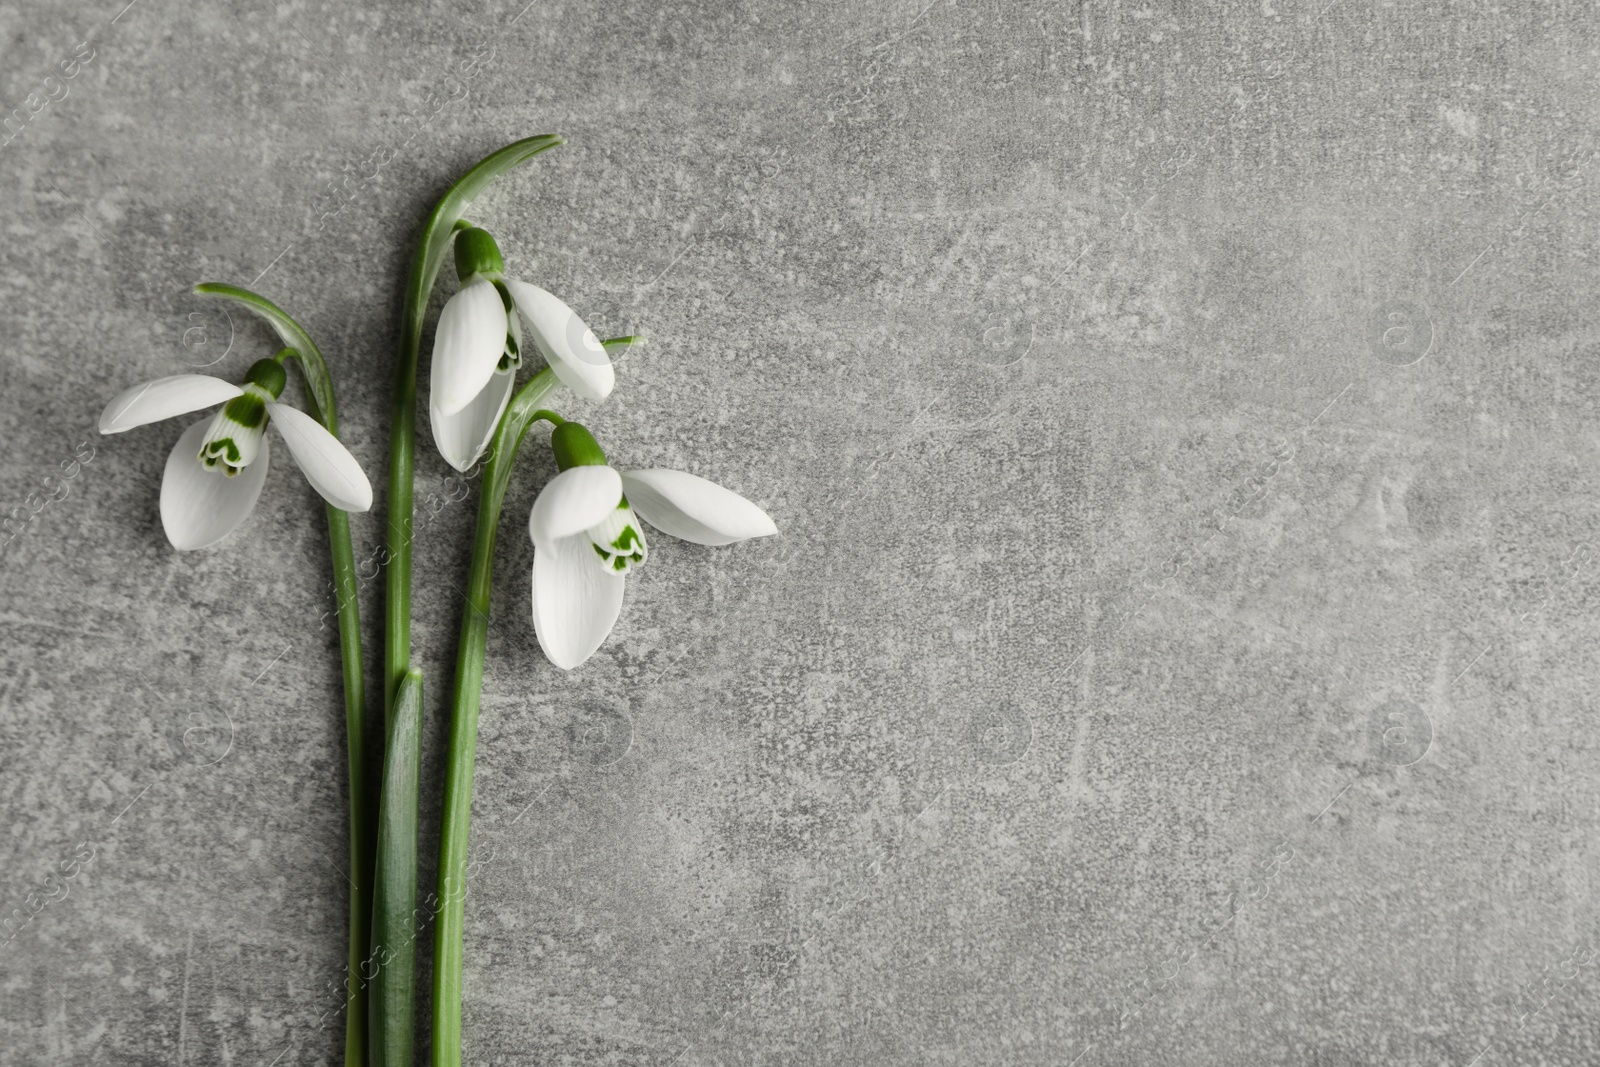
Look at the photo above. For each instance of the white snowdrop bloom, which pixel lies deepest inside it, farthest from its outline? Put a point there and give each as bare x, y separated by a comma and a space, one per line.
587, 537
215, 472
478, 347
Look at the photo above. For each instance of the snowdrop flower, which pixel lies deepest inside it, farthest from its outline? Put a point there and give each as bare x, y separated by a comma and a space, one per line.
215, 471
477, 349
587, 536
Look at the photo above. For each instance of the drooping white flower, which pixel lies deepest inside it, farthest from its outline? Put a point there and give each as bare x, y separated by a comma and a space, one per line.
587, 535
215, 472
477, 349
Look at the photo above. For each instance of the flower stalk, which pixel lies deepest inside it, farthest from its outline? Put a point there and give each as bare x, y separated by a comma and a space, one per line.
521, 414
523, 411
320, 401
425, 264
585, 526
432, 248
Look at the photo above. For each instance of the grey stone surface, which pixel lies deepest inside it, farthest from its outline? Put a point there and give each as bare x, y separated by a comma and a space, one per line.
1181, 422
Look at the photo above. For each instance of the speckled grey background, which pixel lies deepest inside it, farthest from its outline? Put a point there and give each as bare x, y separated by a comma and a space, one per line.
1181, 422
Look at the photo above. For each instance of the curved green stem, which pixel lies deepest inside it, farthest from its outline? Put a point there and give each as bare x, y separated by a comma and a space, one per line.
520, 414
425, 264
319, 390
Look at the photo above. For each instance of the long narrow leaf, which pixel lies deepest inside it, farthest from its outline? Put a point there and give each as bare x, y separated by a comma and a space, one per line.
394, 919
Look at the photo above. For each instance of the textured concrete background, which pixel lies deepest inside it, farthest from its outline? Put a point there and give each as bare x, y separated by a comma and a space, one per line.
1180, 419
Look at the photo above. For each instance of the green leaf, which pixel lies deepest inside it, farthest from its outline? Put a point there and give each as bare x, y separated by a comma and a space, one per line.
394, 922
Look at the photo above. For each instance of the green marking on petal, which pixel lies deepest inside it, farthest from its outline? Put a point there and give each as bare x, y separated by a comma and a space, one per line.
511, 358
619, 541
511, 355
505, 295
248, 410
234, 436
227, 448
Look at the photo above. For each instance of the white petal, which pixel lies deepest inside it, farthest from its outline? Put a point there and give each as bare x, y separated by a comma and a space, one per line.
575, 602
573, 501
200, 507
694, 509
467, 345
326, 463
463, 437
571, 348
164, 398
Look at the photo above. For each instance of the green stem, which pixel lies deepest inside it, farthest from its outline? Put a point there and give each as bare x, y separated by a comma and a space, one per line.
344, 580
425, 264
320, 401
520, 414
345, 585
